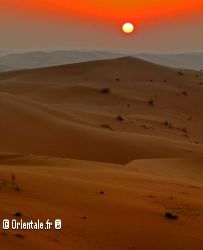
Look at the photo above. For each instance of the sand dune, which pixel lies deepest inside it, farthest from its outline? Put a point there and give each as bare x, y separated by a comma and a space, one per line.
107, 146
129, 215
59, 111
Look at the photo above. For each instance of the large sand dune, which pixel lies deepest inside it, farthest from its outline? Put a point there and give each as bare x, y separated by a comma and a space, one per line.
59, 111
127, 127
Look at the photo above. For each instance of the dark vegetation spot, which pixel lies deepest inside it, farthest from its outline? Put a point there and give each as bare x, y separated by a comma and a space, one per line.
184, 93
170, 198
145, 126
200, 83
13, 183
190, 118
171, 216
151, 196
118, 79
107, 126
105, 90
128, 105
19, 236
168, 124
184, 130
101, 192
180, 73
151, 80
13, 178
84, 217
164, 80
151, 102
18, 214
16, 188
132, 247
196, 187
55, 240
4, 183
120, 118
197, 76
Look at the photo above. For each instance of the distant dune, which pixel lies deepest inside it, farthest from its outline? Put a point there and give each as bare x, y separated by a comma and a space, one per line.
114, 148
38, 59
182, 60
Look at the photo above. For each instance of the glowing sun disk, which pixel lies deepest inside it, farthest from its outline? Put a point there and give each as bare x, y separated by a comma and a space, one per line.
128, 28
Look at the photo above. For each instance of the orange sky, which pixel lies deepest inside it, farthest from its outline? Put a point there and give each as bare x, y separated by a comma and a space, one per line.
166, 25
118, 10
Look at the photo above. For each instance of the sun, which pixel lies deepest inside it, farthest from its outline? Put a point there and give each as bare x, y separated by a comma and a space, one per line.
128, 28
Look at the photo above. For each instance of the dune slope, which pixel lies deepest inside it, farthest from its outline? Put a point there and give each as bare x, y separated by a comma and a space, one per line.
128, 214
109, 147
61, 111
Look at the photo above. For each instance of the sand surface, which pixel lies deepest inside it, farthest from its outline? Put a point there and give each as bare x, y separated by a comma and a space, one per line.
141, 144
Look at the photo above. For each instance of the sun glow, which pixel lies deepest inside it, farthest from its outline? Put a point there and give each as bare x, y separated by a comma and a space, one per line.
128, 28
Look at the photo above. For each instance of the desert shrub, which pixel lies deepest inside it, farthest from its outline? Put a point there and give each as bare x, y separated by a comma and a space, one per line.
107, 126
184, 93
18, 214
171, 216
105, 90
184, 130
151, 102
168, 124
13, 178
120, 118
180, 73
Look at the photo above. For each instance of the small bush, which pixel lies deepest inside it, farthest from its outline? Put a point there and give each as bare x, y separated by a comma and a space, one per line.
105, 90
171, 216
184, 93
180, 73
120, 118
18, 214
107, 126
184, 130
151, 102
13, 178
20, 236
168, 124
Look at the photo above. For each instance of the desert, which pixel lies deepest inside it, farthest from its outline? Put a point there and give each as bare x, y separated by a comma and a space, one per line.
113, 148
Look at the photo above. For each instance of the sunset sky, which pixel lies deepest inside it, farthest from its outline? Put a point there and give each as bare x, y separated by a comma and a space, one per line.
161, 26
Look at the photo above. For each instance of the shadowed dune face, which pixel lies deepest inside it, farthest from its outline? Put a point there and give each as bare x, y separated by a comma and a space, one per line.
61, 111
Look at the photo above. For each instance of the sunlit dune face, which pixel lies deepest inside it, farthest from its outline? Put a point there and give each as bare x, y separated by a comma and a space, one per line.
128, 28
